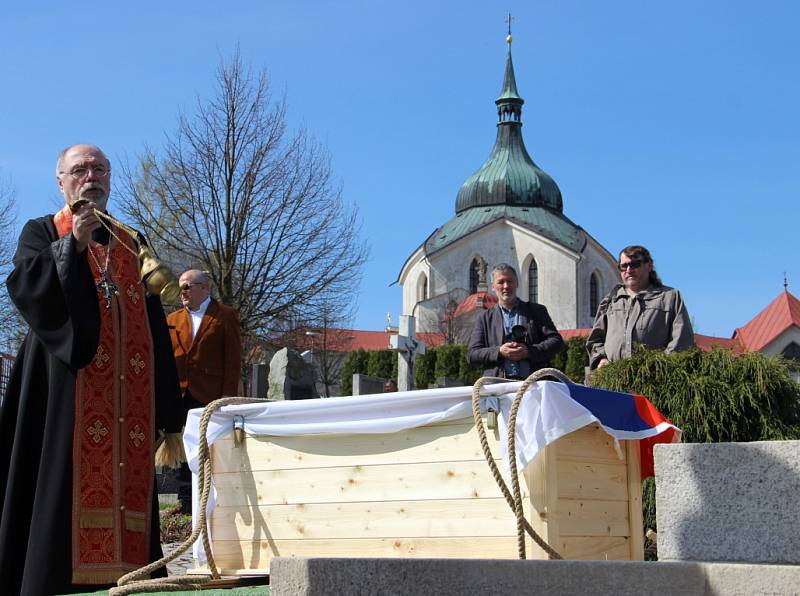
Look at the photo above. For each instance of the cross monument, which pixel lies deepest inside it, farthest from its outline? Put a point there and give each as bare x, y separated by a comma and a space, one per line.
408, 347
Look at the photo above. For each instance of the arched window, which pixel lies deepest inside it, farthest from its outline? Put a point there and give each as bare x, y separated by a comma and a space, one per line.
594, 294
533, 281
791, 352
477, 271
422, 287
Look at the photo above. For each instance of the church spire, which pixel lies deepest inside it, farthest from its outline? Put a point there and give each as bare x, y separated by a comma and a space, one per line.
509, 104
509, 177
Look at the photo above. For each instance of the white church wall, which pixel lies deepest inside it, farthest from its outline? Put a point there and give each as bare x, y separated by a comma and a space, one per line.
777, 345
556, 269
563, 274
594, 259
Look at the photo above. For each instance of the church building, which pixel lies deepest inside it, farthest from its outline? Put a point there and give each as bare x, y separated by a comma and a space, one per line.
512, 211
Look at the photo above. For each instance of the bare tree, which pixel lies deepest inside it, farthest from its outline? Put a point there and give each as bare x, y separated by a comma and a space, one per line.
439, 315
325, 339
256, 207
12, 327
331, 346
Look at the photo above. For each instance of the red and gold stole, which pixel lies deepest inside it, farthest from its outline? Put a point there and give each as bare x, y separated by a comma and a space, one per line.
112, 446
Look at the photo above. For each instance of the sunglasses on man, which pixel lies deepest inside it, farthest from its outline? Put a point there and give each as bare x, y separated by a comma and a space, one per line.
630, 265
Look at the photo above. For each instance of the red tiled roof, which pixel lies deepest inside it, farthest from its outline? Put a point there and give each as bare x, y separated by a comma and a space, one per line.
782, 313
483, 300
570, 333
346, 340
707, 342
704, 342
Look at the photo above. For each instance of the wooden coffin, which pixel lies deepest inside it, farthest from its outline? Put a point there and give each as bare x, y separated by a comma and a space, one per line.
425, 492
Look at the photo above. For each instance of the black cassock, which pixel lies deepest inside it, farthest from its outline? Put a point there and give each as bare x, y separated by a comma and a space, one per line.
53, 288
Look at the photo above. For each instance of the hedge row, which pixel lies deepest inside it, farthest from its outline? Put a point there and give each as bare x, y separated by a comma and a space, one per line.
711, 396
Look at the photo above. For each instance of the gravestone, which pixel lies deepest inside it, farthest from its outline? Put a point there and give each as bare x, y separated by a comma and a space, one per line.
446, 382
290, 377
259, 381
366, 385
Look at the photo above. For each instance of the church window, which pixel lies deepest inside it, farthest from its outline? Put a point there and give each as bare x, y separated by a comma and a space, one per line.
594, 294
792, 352
422, 287
533, 281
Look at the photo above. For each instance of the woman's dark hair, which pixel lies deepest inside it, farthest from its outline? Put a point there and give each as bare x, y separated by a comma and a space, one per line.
635, 251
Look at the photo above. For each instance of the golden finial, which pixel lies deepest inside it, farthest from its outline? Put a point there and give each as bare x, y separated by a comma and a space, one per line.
509, 39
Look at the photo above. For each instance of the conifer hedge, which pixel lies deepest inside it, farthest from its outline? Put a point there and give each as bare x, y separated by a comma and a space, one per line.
711, 396
376, 363
574, 360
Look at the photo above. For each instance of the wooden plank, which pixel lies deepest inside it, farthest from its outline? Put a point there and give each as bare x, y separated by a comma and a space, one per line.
446, 480
586, 480
594, 548
396, 519
540, 478
590, 443
592, 518
455, 442
244, 555
635, 514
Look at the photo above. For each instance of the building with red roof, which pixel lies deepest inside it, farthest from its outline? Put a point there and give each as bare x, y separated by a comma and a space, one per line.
775, 330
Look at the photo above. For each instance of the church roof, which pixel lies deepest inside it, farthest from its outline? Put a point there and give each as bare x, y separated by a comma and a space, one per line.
482, 300
347, 340
766, 326
509, 176
549, 224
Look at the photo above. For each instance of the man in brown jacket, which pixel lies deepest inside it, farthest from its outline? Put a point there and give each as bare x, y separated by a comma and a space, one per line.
206, 341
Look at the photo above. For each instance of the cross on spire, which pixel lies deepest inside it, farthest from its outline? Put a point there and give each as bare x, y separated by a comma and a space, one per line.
508, 20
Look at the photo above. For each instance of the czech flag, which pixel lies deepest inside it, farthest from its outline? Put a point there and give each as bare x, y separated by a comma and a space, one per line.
551, 410
628, 416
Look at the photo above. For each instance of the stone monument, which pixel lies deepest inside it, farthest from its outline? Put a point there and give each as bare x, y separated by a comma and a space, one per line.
290, 377
408, 347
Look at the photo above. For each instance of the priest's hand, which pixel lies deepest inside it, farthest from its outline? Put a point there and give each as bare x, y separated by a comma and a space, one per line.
84, 222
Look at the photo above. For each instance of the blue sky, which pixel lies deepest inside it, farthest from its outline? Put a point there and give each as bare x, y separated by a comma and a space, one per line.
674, 125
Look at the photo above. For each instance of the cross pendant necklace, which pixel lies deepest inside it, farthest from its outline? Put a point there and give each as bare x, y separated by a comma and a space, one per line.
104, 285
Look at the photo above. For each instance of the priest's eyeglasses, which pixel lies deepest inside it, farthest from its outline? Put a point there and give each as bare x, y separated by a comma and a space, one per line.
187, 286
82, 171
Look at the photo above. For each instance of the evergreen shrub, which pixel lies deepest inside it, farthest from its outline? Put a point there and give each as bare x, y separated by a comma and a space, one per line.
711, 396
380, 363
448, 360
355, 363
425, 369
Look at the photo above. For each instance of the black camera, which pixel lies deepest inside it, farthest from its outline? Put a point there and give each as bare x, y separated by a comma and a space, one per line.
517, 334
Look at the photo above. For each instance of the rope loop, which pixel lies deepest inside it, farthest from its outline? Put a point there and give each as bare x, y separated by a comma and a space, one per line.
514, 496
138, 581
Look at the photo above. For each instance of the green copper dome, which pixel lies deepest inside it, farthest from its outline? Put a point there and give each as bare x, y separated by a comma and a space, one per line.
509, 176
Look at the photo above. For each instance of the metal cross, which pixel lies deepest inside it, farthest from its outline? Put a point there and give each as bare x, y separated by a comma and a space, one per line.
508, 20
107, 287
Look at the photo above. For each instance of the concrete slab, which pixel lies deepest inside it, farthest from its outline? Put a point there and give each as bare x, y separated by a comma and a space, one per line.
728, 502
451, 577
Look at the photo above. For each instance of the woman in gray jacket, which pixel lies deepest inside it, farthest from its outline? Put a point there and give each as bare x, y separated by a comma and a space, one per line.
639, 311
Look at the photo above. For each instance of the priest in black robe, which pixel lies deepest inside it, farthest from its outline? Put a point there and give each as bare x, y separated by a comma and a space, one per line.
93, 382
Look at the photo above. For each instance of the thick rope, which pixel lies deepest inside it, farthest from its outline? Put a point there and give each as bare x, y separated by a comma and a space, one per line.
137, 581
514, 500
